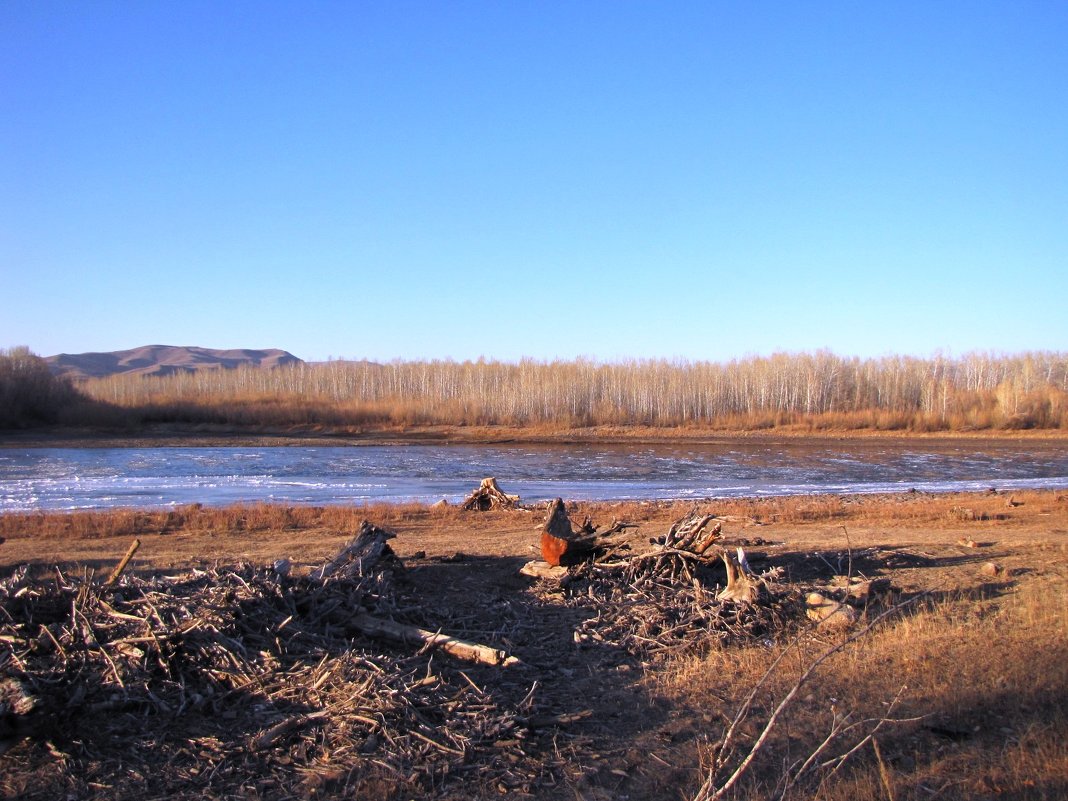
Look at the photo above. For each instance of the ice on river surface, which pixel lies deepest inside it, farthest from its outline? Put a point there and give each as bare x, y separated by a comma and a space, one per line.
93, 478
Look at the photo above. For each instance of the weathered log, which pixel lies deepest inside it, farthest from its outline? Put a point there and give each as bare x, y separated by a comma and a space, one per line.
704, 541
489, 496
683, 532
399, 632
361, 556
287, 726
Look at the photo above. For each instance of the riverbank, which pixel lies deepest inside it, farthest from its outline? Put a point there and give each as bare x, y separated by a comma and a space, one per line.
972, 668
201, 435
263, 532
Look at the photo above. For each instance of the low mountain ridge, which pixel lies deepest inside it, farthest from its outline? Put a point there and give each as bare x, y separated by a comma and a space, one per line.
162, 360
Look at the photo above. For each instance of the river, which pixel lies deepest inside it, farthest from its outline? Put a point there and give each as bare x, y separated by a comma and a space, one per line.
94, 478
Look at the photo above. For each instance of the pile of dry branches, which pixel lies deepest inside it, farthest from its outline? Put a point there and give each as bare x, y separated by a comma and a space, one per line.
240, 682
488, 495
675, 597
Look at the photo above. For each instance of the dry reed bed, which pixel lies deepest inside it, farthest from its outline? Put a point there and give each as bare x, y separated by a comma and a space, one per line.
128, 522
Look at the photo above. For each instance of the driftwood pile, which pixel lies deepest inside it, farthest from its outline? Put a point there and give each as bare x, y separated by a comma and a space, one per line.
685, 594
488, 495
242, 682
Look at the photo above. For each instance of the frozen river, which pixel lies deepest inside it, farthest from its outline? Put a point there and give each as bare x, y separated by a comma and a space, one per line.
93, 478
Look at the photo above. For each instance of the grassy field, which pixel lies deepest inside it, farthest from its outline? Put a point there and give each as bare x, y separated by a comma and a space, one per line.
974, 665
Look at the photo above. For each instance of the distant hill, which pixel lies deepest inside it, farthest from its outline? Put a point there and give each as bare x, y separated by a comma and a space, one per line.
163, 360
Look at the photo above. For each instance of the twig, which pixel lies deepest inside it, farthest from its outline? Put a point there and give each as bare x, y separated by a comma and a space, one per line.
708, 790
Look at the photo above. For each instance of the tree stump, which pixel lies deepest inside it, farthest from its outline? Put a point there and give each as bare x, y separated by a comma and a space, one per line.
489, 496
742, 586
367, 553
561, 545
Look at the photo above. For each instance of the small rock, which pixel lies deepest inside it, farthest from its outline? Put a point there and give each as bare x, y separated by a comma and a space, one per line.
841, 618
991, 569
828, 613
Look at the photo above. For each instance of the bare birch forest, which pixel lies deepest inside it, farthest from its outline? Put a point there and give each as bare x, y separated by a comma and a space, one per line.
815, 390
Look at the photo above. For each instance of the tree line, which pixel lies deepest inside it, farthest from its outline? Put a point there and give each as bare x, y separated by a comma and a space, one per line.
817, 390
29, 393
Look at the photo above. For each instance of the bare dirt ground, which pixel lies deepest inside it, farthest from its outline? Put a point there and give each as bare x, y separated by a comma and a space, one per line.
984, 656
208, 435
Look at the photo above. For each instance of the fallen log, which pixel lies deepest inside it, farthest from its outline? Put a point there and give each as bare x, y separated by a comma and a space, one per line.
489, 496
287, 726
399, 632
368, 554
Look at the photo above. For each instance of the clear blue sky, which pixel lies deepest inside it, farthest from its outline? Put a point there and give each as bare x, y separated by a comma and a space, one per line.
387, 180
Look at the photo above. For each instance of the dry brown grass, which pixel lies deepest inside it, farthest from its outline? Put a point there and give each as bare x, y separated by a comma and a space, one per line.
934, 510
986, 675
939, 511
196, 518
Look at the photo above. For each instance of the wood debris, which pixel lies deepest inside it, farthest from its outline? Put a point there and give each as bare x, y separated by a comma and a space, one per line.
246, 680
489, 496
674, 597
